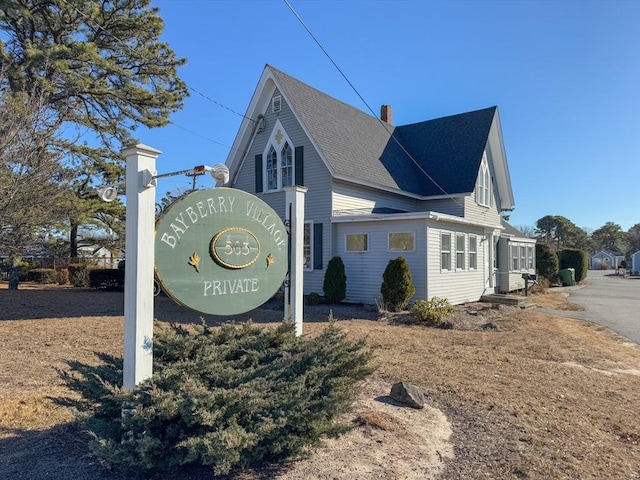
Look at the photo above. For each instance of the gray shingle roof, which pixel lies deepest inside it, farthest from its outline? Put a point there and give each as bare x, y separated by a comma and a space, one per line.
359, 147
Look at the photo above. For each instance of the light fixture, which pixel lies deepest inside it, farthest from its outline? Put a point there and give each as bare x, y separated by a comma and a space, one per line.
107, 193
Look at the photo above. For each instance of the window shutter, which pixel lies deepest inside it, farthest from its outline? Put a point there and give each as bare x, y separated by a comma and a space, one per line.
299, 165
259, 174
317, 246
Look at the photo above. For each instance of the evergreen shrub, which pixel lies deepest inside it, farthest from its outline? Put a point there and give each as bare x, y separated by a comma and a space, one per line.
335, 281
43, 275
107, 278
576, 259
236, 396
62, 276
397, 287
546, 261
432, 312
78, 274
314, 299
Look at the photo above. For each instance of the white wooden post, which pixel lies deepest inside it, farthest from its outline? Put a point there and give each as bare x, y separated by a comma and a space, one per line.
139, 262
293, 294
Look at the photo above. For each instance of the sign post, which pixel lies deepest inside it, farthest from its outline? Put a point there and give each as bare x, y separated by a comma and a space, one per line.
138, 293
293, 294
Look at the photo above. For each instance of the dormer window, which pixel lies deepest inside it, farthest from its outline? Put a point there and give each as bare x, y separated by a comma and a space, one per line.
483, 184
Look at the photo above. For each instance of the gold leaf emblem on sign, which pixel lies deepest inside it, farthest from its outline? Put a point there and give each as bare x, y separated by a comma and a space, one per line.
270, 260
194, 261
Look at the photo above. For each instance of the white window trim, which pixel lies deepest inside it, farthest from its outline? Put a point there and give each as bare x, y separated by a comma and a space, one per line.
276, 104
405, 232
513, 257
463, 251
442, 235
483, 184
278, 132
475, 237
346, 243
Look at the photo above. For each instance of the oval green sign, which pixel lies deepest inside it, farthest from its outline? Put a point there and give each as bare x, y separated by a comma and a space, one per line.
221, 251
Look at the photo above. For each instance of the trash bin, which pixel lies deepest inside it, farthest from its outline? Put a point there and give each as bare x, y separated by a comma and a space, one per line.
568, 276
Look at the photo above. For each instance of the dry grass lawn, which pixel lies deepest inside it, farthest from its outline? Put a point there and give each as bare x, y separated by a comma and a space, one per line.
524, 395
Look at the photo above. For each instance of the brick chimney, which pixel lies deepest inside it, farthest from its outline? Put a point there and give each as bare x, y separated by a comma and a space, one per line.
385, 113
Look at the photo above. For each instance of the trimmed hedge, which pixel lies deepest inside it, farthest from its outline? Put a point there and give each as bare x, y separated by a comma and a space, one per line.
43, 275
576, 259
106, 278
79, 274
62, 276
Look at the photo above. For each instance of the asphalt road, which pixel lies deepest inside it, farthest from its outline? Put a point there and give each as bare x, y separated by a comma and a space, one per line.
609, 300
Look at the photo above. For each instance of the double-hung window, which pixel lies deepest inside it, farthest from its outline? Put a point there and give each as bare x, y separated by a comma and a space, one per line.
445, 251
473, 252
515, 264
307, 244
460, 252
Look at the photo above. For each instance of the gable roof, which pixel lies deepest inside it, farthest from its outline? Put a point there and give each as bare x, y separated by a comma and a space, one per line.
358, 147
510, 230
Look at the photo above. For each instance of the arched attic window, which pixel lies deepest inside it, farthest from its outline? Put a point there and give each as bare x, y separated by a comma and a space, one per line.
483, 183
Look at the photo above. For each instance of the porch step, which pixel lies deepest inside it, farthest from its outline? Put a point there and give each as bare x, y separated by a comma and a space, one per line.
503, 299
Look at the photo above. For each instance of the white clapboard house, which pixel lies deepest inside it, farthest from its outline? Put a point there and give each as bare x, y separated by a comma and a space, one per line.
431, 192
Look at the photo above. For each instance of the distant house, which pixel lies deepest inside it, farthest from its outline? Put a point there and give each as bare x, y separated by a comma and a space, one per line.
98, 255
604, 260
431, 192
635, 263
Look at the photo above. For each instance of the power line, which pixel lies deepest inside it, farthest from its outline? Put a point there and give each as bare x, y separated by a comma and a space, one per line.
366, 104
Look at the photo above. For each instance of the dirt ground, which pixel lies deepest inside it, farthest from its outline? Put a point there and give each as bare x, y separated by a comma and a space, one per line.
511, 393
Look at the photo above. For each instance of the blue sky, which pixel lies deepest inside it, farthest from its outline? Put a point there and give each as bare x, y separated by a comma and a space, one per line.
564, 74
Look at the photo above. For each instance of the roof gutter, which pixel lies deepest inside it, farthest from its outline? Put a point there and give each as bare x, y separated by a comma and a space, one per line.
438, 217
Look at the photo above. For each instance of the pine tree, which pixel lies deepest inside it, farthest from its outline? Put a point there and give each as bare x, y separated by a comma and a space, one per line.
98, 66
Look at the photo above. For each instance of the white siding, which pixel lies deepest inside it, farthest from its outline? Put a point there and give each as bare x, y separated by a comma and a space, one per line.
479, 213
508, 278
362, 200
316, 178
458, 286
364, 270
450, 206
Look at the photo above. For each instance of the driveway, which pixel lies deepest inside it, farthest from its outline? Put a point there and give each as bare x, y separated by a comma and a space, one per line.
608, 300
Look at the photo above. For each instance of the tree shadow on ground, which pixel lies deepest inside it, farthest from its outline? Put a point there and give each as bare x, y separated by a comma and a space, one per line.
59, 453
